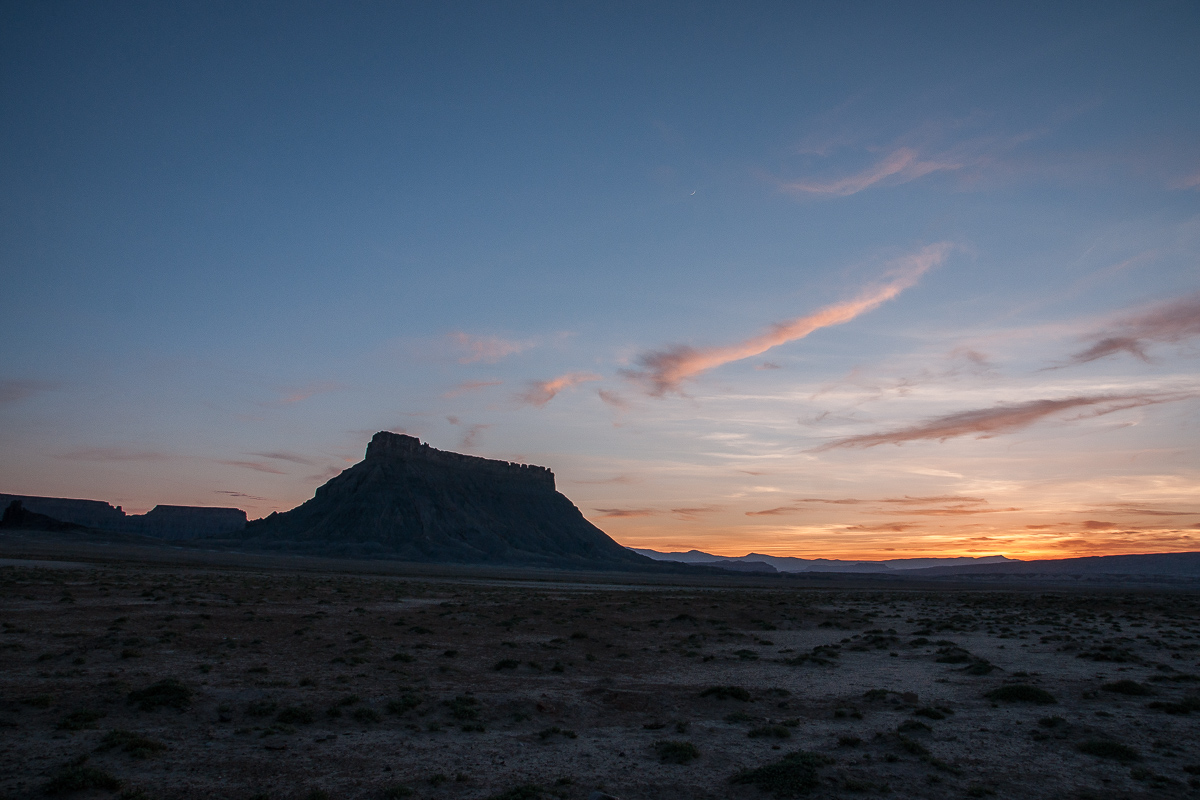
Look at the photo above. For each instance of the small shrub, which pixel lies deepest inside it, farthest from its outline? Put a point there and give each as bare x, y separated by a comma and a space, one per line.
260, 708
463, 707
1132, 688
770, 731
1051, 722
168, 693
727, 692
1106, 748
912, 726
548, 732
1021, 693
403, 703
83, 719
916, 748
506, 663
317, 794
791, 776
293, 715
403, 657
738, 717
366, 715
849, 741
134, 744
76, 777
929, 713
397, 792
527, 791
670, 752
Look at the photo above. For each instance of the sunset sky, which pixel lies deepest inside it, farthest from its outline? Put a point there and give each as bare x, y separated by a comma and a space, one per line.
846, 280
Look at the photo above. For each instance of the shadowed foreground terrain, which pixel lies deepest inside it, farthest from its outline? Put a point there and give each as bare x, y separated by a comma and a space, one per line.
160, 681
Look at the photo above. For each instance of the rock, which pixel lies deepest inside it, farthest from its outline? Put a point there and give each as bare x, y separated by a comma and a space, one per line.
409, 501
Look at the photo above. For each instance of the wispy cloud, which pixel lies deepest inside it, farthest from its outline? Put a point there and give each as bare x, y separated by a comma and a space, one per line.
229, 493
695, 512
13, 390
541, 392
472, 435
1169, 322
284, 456
888, 527
619, 479
258, 466
613, 400
487, 349
112, 454
469, 386
775, 512
908, 500
902, 165
665, 370
626, 512
988, 422
298, 395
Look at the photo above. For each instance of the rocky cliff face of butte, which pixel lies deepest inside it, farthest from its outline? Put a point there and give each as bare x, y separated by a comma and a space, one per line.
409, 501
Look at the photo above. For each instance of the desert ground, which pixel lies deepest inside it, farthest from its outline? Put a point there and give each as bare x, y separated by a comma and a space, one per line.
154, 680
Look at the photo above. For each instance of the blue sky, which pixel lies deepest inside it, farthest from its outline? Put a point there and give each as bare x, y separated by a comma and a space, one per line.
856, 280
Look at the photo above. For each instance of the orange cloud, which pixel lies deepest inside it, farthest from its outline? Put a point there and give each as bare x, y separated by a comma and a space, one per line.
488, 349
891, 527
542, 392
665, 370
691, 513
902, 164
1168, 322
988, 422
469, 386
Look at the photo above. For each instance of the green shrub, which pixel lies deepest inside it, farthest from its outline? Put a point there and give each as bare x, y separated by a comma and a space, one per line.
1021, 693
1106, 748
167, 692
791, 776
727, 692
676, 752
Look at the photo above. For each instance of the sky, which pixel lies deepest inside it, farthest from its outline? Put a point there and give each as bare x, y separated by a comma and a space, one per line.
852, 280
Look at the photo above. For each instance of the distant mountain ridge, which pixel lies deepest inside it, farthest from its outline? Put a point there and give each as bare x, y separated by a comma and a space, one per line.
792, 564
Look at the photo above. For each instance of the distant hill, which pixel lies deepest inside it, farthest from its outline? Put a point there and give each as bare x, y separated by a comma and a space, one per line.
409, 501
1181, 565
162, 522
791, 564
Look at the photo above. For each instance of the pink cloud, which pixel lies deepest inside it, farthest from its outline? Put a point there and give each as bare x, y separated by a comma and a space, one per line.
665, 370
469, 386
988, 422
901, 164
284, 456
488, 349
541, 392
774, 512
1168, 322
471, 438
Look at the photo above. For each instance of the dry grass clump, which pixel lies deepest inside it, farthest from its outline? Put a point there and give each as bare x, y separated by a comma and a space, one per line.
1021, 693
791, 776
167, 693
670, 752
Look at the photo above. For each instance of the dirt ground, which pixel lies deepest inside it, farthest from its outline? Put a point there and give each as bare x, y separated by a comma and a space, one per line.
154, 681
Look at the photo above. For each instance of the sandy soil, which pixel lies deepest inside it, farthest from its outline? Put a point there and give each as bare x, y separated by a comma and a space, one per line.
284, 685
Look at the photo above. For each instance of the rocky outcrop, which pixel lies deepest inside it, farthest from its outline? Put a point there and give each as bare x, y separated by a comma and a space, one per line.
409, 501
17, 517
188, 522
163, 522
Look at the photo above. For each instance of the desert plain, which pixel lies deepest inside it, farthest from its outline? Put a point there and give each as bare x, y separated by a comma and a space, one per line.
130, 679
